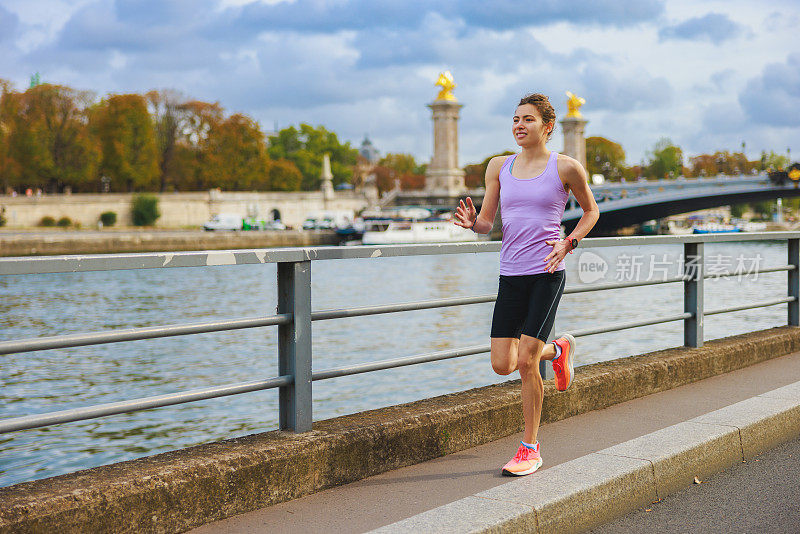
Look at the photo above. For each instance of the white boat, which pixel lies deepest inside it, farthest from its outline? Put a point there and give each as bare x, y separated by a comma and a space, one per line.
674, 228
413, 225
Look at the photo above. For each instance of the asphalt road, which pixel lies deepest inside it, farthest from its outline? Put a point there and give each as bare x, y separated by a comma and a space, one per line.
761, 496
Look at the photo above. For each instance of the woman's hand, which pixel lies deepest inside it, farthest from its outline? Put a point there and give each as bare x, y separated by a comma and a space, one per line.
465, 214
561, 248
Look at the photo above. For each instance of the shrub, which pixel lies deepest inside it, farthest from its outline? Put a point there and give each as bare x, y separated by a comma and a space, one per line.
63, 222
3, 220
108, 218
144, 209
47, 221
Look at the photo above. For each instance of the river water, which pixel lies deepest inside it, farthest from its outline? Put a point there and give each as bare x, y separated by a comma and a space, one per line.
52, 304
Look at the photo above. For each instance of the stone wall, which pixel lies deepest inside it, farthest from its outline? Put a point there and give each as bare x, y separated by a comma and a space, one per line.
178, 210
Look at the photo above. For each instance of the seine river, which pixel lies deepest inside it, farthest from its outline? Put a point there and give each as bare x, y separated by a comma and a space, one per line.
46, 305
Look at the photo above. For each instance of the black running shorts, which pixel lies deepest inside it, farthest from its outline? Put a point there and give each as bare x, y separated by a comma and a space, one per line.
527, 304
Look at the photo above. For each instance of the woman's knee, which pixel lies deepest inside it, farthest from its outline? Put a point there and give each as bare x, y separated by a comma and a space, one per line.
503, 367
529, 354
528, 365
504, 356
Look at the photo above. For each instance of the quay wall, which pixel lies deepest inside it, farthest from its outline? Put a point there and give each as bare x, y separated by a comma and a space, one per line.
178, 210
109, 242
179, 490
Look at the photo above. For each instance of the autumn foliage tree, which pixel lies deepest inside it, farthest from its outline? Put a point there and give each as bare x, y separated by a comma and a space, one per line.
233, 155
475, 173
125, 133
399, 169
48, 137
54, 137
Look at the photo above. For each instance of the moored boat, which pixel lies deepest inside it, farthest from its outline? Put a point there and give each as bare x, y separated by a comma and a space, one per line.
413, 225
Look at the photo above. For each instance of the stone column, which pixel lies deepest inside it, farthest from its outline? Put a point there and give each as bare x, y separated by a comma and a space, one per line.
443, 174
574, 141
327, 178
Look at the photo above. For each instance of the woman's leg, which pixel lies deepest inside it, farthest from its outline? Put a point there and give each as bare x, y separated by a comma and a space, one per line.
510, 354
530, 352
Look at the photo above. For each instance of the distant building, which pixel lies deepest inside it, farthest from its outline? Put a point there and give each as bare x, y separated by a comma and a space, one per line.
364, 179
368, 151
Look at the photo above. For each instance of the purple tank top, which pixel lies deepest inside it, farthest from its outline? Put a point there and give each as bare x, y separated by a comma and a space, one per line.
531, 212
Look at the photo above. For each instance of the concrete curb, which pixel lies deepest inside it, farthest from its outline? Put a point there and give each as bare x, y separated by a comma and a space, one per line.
182, 489
589, 491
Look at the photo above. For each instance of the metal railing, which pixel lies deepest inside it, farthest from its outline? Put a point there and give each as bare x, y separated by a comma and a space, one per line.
294, 315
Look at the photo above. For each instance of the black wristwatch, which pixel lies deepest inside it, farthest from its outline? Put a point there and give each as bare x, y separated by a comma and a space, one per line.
574, 243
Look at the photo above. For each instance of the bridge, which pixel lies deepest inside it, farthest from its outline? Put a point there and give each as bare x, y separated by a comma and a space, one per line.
741, 397
628, 203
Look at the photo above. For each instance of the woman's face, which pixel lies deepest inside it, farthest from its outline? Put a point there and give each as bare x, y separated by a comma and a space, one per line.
528, 128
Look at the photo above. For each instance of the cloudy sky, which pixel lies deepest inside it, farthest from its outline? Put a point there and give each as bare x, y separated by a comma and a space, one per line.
707, 74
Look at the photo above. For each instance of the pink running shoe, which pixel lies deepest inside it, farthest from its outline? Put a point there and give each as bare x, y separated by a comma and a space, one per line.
525, 462
562, 367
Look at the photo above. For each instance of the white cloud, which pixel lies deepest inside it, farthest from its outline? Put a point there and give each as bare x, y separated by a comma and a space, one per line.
360, 66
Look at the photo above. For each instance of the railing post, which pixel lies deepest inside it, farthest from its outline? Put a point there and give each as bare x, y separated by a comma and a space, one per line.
794, 281
543, 363
294, 345
693, 262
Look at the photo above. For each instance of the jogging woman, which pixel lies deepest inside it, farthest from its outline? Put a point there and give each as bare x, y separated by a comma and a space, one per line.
532, 188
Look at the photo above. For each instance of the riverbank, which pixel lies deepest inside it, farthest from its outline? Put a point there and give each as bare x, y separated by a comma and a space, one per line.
53, 242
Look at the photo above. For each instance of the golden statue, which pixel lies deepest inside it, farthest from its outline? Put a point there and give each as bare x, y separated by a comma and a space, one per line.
445, 81
574, 102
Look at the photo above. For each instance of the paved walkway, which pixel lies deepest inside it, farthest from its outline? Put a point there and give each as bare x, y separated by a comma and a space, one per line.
400, 494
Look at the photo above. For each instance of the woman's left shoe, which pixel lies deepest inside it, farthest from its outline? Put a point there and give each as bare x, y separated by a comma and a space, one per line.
562, 366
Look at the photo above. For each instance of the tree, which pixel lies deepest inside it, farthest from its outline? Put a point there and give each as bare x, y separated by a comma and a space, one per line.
49, 139
775, 161
475, 173
305, 148
721, 162
168, 113
400, 167
284, 176
666, 160
233, 155
605, 157
5, 129
127, 139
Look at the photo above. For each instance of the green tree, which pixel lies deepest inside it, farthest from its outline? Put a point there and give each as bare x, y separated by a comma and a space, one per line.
775, 161
605, 157
402, 163
666, 160
49, 139
234, 155
126, 135
305, 148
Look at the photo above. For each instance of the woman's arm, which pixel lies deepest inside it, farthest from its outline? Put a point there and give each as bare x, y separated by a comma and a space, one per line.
577, 180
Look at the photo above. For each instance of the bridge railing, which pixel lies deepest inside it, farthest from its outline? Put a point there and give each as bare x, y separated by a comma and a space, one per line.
294, 316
